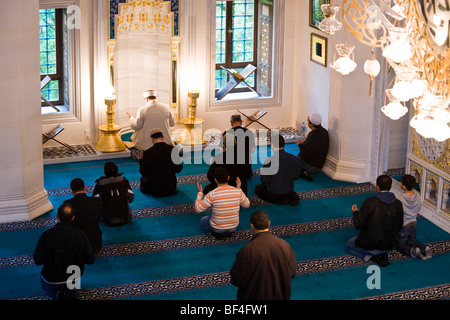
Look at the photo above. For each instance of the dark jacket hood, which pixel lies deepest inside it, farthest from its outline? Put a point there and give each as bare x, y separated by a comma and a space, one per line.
386, 197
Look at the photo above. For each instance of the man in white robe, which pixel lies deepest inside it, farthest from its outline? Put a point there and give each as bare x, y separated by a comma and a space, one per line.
153, 115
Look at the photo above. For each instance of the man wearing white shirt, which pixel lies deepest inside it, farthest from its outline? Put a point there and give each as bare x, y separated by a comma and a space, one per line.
153, 115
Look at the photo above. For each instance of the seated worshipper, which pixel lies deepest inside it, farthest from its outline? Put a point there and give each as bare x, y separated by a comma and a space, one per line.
245, 143
58, 248
264, 268
225, 201
313, 149
228, 159
379, 222
153, 115
157, 167
283, 169
115, 195
407, 242
88, 213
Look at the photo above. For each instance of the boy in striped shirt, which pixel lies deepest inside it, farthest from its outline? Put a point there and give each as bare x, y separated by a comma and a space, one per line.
225, 202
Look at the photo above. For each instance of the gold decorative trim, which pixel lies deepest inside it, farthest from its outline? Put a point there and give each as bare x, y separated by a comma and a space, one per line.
442, 163
431, 189
445, 204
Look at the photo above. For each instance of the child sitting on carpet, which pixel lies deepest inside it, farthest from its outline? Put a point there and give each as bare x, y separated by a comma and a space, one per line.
407, 243
225, 201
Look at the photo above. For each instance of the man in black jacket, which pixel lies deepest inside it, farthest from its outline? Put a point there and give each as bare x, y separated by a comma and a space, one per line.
63, 251
314, 149
88, 213
244, 144
278, 174
264, 268
228, 160
115, 194
157, 168
379, 221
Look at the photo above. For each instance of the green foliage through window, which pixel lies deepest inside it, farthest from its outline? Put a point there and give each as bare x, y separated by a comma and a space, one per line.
241, 28
47, 37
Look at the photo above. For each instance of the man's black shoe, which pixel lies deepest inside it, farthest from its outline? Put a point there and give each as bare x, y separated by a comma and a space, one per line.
381, 259
294, 200
305, 175
222, 235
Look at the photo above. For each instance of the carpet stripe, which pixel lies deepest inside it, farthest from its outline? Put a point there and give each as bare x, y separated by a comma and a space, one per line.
195, 241
440, 292
40, 223
218, 279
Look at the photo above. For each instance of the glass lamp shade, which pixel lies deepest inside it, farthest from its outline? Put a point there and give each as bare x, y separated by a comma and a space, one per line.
372, 67
329, 24
394, 110
344, 65
429, 127
419, 86
403, 91
399, 49
432, 117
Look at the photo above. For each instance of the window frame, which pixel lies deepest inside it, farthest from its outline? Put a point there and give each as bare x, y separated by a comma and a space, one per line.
72, 111
59, 75
229, 64
231, 100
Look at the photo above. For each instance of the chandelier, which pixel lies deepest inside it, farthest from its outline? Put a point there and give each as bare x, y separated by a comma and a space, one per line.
413, 36
345, 64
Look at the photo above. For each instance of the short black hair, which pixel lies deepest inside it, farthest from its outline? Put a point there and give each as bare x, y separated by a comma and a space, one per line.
156, 135
280, 141
235, 118
408, 181
384, 182
110, 169
260, 220
221, 175
65, 212
77, 184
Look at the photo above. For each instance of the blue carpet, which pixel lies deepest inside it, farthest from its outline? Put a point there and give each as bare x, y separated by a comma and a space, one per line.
163, 255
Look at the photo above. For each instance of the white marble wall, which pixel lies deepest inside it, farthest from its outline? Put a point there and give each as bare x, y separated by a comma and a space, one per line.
142, 61
22, 193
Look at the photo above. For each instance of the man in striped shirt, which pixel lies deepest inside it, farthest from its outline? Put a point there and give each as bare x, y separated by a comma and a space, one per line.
225, 202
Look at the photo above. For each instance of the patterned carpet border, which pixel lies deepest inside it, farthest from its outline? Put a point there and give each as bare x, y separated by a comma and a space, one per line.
41, 223
440, 292
147, 247
203, 281
192, 242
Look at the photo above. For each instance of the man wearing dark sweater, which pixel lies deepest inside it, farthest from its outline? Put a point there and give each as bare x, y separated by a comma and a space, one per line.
313, 149
157, 168
62, 250
379, 221
244, 144
88, 213
278, 174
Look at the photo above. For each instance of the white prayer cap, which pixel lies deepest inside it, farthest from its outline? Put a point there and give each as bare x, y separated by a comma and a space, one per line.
149, 93
315, 119
155, 130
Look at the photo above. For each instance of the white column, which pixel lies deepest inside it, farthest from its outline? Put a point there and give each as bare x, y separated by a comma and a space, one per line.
352, 124
22, 193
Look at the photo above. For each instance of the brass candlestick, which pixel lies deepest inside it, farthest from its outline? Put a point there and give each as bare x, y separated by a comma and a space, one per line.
193, 134
109, 139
